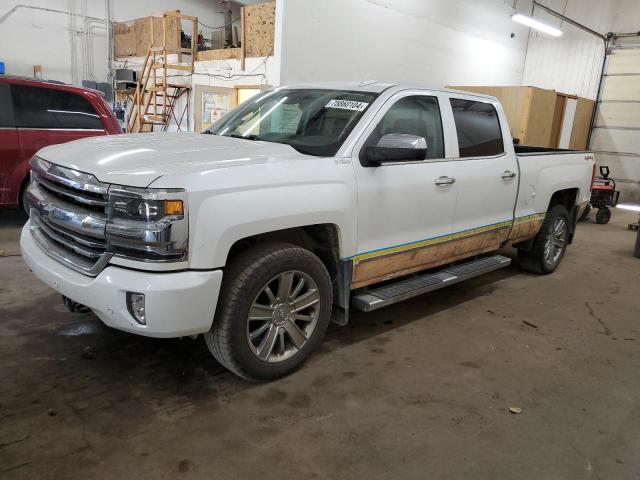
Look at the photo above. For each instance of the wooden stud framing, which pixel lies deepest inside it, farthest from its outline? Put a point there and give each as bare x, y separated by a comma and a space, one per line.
243, 34
155, 97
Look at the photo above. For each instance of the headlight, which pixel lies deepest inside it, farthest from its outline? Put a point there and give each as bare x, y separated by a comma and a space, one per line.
148, 224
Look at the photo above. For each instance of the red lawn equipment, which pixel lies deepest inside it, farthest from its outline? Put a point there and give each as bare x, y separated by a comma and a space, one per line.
603, 196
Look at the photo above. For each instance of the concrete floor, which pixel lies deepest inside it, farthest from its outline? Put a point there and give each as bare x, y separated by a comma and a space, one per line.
418, 390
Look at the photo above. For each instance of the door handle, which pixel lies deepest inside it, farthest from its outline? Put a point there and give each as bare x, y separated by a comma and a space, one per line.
507, 174
441, 181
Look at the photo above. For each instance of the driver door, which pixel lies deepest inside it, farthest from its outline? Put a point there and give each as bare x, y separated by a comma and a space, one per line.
405, 207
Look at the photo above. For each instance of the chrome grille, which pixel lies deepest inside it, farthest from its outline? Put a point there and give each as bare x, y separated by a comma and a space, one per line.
68, 216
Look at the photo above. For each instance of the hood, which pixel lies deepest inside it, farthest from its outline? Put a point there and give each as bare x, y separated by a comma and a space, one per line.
139, 159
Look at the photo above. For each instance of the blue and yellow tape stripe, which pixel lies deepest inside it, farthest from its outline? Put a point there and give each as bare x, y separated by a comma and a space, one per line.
443, 238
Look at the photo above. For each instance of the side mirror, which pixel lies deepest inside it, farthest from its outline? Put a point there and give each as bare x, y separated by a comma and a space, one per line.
604, 172
395, 147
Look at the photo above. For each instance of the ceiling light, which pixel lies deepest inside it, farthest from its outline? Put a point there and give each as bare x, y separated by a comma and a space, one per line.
530, 22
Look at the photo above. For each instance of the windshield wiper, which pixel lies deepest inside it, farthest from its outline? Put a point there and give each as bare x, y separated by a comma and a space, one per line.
246, 137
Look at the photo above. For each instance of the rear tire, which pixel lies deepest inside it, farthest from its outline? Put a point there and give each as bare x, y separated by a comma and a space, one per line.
261, 331
603, 215
549, 244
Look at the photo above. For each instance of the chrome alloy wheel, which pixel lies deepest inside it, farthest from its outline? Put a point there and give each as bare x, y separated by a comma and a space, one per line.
283, 316
556, 240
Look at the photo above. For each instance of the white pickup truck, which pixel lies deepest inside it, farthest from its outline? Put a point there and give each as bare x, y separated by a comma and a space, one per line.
295, 206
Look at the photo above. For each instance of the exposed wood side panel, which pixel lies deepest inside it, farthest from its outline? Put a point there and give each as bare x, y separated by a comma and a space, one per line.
388, 266
378, 269
525, 230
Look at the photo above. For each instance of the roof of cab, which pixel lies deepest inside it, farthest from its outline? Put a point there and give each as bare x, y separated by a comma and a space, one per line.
54, 84
379, 87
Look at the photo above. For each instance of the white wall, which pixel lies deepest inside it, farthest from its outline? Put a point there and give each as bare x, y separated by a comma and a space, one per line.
424, 42
571, 63
60, 44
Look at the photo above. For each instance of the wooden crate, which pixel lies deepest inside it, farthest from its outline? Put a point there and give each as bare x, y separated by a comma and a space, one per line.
536, 115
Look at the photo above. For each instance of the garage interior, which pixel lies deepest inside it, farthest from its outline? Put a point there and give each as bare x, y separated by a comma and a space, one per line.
507, 375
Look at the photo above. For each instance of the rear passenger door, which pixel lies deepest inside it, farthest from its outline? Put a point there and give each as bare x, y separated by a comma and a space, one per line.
47, 116
486, 174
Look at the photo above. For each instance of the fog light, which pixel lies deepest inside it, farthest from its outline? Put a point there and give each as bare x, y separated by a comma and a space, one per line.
135, 305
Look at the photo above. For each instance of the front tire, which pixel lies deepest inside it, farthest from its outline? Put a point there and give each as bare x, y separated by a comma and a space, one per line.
549, 244
273, 311
585, 213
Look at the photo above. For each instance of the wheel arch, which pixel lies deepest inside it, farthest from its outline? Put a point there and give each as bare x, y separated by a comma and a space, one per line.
567, 197
24, 183
323, 240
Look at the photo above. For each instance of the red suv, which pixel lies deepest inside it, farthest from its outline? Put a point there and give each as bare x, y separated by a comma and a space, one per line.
37, 113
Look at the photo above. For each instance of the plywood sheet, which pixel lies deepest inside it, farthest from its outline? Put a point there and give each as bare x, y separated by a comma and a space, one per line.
173, 33
581, 124
124, 40
260, 20
539, 120
558, 116
134, 38
220, 54
142, 28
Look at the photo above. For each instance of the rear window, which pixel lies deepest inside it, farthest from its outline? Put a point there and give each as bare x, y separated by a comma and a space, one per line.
37, 107
478, 128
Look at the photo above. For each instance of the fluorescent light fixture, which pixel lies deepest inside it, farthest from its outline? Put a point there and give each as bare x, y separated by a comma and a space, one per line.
530, 22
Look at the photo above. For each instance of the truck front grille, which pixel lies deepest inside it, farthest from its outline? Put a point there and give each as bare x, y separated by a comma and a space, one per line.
68, 216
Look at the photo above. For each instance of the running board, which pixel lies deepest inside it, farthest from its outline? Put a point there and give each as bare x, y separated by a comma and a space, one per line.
404, 289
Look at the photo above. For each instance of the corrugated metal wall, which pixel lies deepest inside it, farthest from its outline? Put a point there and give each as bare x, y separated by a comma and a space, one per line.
570, 63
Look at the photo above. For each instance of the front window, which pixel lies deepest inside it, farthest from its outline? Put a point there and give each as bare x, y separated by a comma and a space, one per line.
313, 121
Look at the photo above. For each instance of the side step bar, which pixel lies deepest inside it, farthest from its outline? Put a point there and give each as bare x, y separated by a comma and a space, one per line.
402, 290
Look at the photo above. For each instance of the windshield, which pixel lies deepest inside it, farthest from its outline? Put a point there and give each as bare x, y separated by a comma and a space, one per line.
313, 121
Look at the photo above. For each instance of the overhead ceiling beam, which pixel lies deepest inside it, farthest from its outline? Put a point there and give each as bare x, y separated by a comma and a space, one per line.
570, 21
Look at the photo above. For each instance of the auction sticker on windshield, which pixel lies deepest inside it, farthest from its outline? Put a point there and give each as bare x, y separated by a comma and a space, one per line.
347, 105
